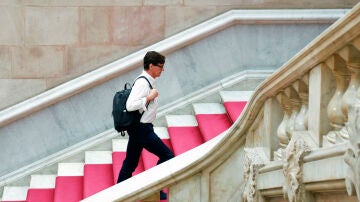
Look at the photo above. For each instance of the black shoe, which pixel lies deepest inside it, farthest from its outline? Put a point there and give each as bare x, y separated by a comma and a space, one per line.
163, 195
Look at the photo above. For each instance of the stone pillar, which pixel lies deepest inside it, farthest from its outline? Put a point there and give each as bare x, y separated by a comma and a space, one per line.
273, 115
321, 88
283, 132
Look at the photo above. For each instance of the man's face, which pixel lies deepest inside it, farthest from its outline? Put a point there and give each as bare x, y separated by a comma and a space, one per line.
156, 70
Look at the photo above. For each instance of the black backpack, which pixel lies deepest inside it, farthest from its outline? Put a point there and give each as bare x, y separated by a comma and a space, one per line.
123, 119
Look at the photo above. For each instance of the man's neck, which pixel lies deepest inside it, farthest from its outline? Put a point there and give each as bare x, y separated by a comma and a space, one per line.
150, 73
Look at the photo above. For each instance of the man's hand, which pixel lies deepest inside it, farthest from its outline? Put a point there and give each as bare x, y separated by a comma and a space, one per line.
152, 95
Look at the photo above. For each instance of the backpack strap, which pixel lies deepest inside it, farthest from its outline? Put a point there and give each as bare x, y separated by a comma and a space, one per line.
145, 79
147, 104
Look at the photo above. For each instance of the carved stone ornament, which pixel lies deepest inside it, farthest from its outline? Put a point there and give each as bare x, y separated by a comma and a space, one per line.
292, 167
255, 158
336, 137
352, 154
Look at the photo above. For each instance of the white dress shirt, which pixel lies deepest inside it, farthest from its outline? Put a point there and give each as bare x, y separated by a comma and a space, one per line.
137, 99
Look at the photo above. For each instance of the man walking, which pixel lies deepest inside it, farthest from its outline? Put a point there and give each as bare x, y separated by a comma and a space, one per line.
141, 135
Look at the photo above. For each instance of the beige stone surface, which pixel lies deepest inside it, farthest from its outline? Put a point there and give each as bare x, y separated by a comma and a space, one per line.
180, 18
138, 25
15, 90
10, 2
82, 2
51, 25
263, 4
84, 59
228, 177
95, 25
5, 62
38, 62
11, 25
55, 81
163, 2
188, 190
335, 197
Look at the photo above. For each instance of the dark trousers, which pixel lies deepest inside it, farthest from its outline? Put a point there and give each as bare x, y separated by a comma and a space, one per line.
141, 136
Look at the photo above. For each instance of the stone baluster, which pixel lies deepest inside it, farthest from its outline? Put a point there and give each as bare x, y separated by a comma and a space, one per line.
302, 88
283, 132
356, 44
352, 57
335, 113
295, 105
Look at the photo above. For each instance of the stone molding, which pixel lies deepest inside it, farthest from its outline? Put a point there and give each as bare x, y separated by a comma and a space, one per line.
295, 151
352, 154
255, 158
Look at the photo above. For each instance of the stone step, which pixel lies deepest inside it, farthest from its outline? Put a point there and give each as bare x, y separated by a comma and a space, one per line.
162, 132
15, 193
235, 96
209, 108
212, 119
184, 133
98, 172
42, 181
69, 182
181, 120
235, 102
119, 145
71, 169
42, 188
98, 157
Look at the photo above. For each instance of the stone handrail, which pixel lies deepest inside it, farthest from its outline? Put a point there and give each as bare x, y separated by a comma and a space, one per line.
168, 45
311, 106
304, 82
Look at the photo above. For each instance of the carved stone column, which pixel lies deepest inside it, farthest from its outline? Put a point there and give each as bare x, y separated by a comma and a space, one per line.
302, 89
294, 107
283, 132
255, 158
352, 57
335, 113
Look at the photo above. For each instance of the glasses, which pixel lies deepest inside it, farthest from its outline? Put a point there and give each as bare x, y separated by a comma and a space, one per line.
160, 65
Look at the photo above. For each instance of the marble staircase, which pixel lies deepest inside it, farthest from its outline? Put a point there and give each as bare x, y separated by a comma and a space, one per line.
75, 181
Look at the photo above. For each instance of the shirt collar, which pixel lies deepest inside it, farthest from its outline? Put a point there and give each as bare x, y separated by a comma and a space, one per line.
148, 76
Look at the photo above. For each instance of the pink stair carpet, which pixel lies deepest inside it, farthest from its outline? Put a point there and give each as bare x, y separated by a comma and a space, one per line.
97, 177
40, 195
149, 159
117, 159
68, 188
184, 138
234, 109
212, 125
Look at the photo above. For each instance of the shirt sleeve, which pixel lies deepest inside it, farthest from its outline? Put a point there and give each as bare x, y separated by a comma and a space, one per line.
137, 97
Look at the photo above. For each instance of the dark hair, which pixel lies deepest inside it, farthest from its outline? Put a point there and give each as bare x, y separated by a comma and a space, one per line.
153, 57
